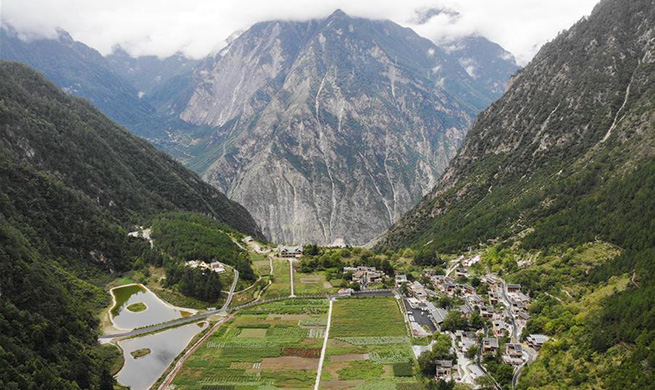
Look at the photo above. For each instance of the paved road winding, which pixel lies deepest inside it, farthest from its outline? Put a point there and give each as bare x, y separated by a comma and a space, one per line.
515, 335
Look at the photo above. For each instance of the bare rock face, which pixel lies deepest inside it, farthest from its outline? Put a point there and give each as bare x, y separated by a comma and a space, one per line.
327, 131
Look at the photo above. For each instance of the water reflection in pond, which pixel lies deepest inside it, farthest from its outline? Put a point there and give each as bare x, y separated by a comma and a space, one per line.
140, 373
156, 310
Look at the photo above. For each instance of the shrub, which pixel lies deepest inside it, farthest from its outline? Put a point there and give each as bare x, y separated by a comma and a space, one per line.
402, 369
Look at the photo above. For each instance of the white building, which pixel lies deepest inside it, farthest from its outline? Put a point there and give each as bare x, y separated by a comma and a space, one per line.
215, 266
290, 251
536, 340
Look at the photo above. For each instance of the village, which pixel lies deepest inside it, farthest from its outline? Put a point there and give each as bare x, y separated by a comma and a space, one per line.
493, 316
484, 316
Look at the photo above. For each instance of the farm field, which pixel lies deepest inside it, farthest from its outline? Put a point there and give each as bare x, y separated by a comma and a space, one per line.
281, 286
314, 283
369, 347
276, 345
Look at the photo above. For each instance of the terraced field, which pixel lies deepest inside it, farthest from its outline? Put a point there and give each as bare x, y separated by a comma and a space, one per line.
271, 346
369, 347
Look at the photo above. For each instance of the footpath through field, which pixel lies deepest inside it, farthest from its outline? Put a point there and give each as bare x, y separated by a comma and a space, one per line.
291, 276
325, 343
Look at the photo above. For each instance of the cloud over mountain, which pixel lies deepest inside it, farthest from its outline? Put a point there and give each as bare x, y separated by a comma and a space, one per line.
163, 27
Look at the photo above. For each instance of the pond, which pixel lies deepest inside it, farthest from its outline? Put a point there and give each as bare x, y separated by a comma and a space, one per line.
135, 306
139, 373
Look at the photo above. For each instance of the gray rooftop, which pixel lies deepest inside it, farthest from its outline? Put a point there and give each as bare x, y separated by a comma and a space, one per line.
538, 338
445, 363
490, 341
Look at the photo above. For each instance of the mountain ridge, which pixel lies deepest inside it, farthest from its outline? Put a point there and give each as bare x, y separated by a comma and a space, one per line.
79, 70
308, 96
564, 160
529, 142
72, 185
223, 126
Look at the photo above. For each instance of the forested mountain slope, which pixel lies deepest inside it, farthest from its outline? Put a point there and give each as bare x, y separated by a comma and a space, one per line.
566, 157
298, 121
71, 183
586, 95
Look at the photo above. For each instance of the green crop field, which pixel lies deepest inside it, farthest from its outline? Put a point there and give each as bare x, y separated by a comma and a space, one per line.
369, 347
281, 286
367, 317
264, 347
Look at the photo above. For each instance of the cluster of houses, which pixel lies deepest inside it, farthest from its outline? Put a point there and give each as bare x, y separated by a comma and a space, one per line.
449, 287
215, 266
447, 370
419, 300
513, 313
365, 275
518, 301
463, 342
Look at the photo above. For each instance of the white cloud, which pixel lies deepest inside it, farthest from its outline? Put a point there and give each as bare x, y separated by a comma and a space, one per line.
469, 65
196, 27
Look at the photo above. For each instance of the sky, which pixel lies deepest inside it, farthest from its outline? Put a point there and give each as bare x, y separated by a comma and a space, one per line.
197, 27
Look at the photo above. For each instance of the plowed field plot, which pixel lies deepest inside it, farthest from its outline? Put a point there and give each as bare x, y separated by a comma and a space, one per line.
315, 283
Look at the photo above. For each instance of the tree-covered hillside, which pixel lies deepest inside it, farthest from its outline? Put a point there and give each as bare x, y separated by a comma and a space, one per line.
47, 131
186, 237
567, 157
71, 183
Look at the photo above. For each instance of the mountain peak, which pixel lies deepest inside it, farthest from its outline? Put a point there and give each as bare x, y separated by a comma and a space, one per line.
338, 14
64, 36
314, 81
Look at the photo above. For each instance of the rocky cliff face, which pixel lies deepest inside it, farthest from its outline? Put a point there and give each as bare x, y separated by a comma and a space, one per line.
327, 131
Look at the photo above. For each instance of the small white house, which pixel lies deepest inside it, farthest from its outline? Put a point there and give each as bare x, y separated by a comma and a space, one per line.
400, 280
